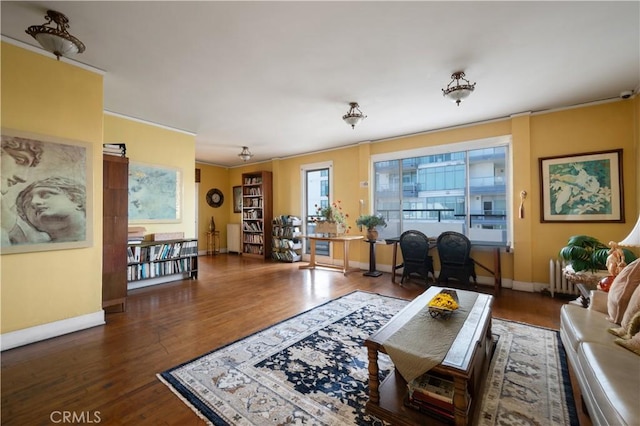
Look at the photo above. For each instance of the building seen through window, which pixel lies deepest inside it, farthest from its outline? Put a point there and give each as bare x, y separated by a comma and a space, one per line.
463, 191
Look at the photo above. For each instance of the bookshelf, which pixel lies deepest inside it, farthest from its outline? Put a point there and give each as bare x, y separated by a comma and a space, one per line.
286, 245
257, 214
156, 262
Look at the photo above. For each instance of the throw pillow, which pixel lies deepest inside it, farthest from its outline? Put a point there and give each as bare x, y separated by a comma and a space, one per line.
630, 329
632, 344
632, 309
621, 291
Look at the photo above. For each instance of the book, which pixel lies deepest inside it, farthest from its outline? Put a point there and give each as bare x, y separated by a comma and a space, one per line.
433, 386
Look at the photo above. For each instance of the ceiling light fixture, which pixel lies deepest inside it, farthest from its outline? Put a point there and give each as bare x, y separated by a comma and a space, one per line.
56, 40
245, 154
354, 116
458, 92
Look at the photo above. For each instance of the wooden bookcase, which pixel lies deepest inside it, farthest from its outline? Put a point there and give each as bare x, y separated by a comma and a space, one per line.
115, 184
156, 262
257, 214
286, 243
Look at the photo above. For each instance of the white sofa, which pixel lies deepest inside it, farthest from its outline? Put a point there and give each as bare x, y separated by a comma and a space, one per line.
607, 373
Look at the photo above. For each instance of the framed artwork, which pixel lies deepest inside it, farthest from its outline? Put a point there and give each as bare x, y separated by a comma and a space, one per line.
46, 193
582, 187
155, 193
237, 199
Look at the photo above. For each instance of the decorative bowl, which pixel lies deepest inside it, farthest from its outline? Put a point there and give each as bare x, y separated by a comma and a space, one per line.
443, 304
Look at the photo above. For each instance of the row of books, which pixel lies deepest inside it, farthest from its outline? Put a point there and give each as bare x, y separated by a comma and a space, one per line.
252, 227
117, 149
252, 214
253, 249
252, 192
432, 394
158, 269
286, 256
278, 243
287, 220
253, 238
252, 180
159, 252
286, 231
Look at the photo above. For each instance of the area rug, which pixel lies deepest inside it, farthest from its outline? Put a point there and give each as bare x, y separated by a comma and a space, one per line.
312, 369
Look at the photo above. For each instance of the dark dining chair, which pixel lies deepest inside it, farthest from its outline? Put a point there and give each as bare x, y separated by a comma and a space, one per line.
414, 246
454, 251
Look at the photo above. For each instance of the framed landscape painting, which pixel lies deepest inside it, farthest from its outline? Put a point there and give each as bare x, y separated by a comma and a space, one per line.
155, 193
582, 187
237, 199
46, 193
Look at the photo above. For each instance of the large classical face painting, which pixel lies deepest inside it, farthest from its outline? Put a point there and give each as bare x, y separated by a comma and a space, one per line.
46, 197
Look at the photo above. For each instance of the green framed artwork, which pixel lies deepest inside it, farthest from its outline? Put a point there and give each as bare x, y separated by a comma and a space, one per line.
583, 187
155, 193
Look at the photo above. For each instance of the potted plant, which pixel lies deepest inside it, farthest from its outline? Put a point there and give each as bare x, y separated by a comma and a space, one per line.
371, 222
585, 253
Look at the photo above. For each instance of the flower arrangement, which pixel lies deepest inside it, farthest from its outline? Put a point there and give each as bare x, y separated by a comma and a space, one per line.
332, 213
443, 301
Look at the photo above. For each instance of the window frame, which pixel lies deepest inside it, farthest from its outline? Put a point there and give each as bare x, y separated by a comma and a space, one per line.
491, 142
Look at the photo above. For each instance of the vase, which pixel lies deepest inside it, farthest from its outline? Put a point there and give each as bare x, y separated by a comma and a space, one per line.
372, 234
212, 225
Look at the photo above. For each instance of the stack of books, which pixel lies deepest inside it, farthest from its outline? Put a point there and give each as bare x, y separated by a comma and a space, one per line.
117, 149
433, 395
136, 234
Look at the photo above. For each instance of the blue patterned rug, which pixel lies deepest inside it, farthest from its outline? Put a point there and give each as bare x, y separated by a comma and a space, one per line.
312, 369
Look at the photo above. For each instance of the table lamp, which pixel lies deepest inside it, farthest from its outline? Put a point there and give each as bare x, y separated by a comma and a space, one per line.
633, 239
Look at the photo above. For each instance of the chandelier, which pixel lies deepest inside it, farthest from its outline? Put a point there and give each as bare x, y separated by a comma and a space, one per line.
354, 116
56, 40
245, 154
458, 92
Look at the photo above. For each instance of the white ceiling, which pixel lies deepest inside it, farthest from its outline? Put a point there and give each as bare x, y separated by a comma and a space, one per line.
278, 76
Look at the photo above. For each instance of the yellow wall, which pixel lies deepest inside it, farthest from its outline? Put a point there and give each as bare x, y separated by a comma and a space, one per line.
214, 177
154, 145
43, 96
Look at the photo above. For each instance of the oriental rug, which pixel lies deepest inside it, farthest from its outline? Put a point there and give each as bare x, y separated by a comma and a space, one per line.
312, 369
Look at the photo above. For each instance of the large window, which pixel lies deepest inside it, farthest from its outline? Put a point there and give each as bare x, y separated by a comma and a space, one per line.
461, 187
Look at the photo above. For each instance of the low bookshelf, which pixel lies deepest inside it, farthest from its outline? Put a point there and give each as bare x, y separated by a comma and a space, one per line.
157, 262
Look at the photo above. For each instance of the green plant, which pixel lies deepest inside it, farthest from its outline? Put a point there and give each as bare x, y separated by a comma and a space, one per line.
587, 253
371, 221
332, 213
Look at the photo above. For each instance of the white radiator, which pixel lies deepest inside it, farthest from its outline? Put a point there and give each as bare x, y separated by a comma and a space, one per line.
233, 238
557, 281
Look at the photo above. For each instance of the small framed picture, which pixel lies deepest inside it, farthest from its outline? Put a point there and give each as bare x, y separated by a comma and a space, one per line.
582, 187
237, 199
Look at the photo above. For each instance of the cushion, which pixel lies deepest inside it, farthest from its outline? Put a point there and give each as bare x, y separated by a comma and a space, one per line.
632, 344
632, 309
621, 291
630, 329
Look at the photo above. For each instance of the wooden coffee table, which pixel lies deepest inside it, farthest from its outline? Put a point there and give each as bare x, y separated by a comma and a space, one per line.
467, 363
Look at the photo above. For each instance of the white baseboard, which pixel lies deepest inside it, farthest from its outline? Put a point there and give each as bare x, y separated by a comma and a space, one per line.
25, 336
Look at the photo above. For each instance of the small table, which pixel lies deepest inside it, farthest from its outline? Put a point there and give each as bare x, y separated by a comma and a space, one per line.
344, 239
466, 362
585, 293
372, 260
213, 242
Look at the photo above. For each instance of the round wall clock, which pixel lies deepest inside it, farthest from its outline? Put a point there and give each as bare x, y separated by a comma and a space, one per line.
215, 197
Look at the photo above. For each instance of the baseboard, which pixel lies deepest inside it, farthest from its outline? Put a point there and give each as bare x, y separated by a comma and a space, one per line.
25, 336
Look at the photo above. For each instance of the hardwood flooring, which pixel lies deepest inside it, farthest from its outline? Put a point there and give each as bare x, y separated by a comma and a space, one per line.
107, 374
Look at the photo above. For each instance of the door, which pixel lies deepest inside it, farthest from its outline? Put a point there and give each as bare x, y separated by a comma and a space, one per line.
317, 184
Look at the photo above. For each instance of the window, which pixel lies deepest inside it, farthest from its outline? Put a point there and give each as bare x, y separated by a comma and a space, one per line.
317, 183
460, 187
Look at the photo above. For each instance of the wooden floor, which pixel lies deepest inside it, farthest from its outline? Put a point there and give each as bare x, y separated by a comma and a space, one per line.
108, 374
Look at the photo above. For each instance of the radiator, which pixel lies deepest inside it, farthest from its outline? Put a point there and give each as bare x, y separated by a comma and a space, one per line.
557, 281
233, 238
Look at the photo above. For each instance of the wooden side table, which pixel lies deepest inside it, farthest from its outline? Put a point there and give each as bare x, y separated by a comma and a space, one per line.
213, 243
